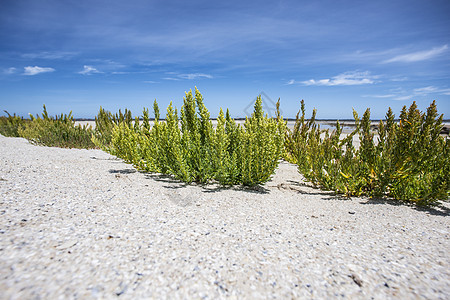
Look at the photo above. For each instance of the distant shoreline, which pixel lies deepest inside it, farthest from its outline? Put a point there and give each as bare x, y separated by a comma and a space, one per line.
285, 119
324, 123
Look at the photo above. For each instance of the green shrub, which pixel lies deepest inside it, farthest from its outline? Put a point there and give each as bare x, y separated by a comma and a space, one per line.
417, 159
57, 132
104, 124
261, 145
409, 161
189, 148
9, 126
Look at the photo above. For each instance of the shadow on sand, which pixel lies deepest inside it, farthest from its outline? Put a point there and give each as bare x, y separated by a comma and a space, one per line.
123, 171
206, 188
256, 189
174, 183
436, 209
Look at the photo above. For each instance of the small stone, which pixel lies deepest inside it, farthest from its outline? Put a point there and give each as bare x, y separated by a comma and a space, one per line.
356, 280
66, 245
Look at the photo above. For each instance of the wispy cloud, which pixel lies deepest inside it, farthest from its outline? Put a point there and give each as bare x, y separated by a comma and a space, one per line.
403, 98
426, 90
291, 82
36, 70
195, 76
88, 70
189, 76
399, 79
399, 94
123, 72
380, 96
431, 90
418, 56
49, 55
151, 81
10, 71
402, 95
392, 55
348, 78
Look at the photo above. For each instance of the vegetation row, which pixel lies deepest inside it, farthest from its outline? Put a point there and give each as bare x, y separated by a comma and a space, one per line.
405, 160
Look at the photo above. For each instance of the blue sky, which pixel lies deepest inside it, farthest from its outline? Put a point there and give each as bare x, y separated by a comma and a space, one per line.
336, 55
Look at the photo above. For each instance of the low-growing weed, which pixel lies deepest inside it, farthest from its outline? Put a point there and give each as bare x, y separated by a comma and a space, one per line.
59, 131
10, 125
104, 125
408, 160
188, 147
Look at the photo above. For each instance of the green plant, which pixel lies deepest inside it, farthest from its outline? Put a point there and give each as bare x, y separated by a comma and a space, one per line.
409, 160
261, 145
197, 139
104, 125
417, 157
59, 131
189, 148
9, 126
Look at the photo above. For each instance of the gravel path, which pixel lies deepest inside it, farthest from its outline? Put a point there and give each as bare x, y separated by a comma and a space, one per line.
83, 224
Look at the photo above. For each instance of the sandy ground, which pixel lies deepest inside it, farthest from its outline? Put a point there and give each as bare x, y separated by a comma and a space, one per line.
83, 224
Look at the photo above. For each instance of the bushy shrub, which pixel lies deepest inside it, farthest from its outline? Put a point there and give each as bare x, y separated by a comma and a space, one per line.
104, 125
59, 131
409, 160
10, 125
416, 159
189, 148
261, 145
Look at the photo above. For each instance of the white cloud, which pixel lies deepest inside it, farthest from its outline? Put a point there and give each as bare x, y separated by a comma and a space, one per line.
151, 81
418, 56
402, 95
88, 70
195, 76
379, 96
348, 78
290, 82
430, 90
189, 76
36, 70
403, 98
425, 90
10, 71
49, 55
399, 79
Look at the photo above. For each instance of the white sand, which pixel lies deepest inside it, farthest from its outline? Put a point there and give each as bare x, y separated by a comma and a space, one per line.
82, 224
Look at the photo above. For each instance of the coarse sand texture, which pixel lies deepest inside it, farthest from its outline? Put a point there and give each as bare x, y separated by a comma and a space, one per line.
83, 224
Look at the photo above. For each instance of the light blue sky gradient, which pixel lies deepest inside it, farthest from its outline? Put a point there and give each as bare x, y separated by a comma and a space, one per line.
336, 55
